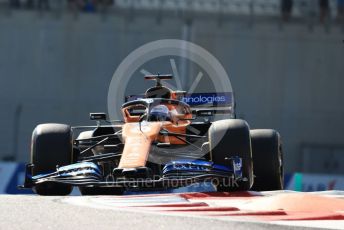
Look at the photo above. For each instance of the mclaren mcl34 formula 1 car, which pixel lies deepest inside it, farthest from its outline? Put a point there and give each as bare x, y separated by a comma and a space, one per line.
162, 142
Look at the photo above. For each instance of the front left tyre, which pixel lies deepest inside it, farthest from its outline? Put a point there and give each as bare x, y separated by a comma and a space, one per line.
51, 146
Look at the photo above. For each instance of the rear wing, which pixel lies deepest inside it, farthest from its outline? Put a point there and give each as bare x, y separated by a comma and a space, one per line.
204, 104
218, 103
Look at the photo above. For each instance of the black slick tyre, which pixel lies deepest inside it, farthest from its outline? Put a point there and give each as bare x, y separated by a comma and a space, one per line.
51, 146
267, 160
230, 138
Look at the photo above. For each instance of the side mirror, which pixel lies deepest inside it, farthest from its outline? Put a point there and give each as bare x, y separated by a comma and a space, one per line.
98, 116
204, 113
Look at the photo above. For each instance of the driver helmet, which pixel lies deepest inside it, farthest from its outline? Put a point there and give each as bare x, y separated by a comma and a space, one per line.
160, 113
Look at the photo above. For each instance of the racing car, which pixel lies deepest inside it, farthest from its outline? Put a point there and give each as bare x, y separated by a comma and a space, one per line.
162, 142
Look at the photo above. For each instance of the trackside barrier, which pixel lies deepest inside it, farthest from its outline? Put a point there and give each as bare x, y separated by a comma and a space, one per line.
11, 175
304, 182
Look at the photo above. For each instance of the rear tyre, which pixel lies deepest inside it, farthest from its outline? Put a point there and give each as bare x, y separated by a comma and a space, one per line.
230, 138
51, 146
268, 160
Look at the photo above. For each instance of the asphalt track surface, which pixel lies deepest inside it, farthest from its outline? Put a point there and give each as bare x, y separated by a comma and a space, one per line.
38, 212
34, 212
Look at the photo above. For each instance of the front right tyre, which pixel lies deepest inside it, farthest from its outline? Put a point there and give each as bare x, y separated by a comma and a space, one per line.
51, 146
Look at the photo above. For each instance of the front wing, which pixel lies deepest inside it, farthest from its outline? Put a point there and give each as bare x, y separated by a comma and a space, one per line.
177, 173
